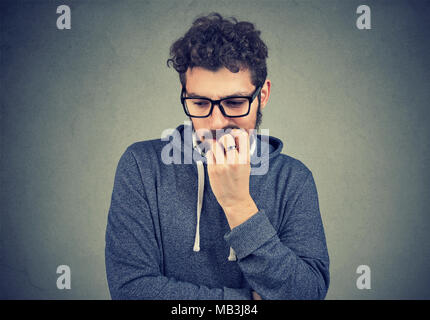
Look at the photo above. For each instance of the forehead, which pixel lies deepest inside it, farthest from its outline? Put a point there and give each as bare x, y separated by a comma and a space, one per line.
218, 83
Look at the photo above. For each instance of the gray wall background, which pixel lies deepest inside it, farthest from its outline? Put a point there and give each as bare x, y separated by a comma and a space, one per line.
352, 105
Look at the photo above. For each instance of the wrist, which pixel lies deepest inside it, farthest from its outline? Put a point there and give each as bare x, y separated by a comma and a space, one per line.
240, 212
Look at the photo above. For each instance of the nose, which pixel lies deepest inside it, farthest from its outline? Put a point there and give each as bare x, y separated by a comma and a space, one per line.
218, 120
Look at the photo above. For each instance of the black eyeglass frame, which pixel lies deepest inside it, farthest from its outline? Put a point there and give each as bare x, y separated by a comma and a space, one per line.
218, 102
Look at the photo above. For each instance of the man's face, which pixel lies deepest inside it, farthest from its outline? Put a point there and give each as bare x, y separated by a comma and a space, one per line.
217, 85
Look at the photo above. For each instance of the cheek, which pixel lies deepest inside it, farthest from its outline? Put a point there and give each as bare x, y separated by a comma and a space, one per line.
248, 121
199, 123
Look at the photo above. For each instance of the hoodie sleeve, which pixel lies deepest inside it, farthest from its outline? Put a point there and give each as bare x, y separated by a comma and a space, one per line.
132, 253
292, 263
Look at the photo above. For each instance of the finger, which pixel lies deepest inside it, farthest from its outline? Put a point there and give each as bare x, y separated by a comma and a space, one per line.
210, 158
231, 154
242, 142
217, 152
226, 141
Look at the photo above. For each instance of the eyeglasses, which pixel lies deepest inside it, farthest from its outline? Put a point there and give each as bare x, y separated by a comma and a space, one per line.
232, 107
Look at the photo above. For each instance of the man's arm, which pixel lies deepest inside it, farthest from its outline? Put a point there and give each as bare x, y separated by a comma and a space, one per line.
292, 263
132, 255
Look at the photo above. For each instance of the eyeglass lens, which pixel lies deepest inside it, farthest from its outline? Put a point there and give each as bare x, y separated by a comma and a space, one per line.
232, 106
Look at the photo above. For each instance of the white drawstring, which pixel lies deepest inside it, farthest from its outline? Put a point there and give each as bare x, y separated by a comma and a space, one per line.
232, 256
201, 188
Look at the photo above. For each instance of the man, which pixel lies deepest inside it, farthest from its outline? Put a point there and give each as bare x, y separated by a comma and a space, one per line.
255, 236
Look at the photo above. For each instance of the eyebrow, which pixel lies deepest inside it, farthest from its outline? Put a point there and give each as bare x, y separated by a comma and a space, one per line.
235, 94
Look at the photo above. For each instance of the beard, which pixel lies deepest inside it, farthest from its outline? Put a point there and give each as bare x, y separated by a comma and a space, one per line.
259, 118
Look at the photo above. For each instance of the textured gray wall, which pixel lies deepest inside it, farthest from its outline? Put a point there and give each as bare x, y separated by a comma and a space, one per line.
352, 105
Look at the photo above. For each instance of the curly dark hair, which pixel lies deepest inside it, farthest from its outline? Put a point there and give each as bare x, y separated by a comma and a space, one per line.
214, 42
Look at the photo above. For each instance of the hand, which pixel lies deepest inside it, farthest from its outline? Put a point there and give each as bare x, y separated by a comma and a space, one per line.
256, 296
229, 171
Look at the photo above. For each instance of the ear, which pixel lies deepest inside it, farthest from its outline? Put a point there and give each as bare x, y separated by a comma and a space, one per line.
265, 93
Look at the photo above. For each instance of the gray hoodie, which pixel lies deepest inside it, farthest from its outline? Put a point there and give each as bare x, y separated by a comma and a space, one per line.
167, 237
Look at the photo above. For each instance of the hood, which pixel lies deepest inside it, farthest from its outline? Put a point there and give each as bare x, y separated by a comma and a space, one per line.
263, 148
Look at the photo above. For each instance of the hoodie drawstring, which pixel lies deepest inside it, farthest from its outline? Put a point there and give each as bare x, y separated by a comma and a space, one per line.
201, 188
232, 256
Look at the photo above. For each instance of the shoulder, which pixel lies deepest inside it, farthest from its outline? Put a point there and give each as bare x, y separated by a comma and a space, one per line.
293, 165
292, 170
140, 155
145, 149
